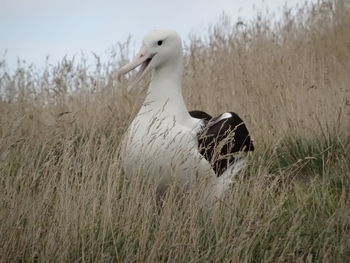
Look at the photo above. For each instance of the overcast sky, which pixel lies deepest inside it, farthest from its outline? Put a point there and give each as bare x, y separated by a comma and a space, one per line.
32, 29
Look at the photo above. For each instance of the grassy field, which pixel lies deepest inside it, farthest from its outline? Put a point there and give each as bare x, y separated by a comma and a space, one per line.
64, 197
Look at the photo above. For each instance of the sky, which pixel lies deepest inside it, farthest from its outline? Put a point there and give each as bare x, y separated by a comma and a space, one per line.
33, 29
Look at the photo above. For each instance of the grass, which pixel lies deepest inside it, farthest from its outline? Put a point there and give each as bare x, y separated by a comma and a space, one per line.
64, 197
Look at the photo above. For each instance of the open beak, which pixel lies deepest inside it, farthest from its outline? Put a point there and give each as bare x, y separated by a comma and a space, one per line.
143, 58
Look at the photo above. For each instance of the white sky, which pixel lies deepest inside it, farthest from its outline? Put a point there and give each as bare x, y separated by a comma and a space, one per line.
33, 29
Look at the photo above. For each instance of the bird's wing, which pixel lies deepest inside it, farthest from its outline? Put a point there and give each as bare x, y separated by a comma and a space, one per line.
222, 138
197, 114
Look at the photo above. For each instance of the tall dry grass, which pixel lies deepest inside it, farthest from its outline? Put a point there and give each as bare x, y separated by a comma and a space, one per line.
64, 197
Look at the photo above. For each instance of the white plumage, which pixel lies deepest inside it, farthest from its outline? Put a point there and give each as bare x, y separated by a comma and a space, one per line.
163, 139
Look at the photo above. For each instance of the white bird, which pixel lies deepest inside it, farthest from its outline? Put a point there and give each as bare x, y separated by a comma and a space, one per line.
165, 140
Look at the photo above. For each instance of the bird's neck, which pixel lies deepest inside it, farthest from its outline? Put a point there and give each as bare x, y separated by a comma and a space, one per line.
165, 93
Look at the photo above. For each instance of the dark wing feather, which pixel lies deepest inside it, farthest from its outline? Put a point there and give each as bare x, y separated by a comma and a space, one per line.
200, 115
221, 138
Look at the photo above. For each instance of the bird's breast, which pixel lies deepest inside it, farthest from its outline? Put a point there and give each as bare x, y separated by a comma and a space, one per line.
159, 145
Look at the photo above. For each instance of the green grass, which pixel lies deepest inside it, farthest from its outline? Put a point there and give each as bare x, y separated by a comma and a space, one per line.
310, 155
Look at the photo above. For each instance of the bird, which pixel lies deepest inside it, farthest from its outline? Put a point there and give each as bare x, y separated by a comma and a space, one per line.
165, 141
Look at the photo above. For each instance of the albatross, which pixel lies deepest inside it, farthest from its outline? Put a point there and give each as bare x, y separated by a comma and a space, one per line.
165, 141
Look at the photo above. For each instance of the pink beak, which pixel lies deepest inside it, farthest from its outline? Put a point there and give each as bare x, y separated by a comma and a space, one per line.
144, 58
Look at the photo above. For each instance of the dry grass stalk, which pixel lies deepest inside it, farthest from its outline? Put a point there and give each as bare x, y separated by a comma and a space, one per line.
63, 194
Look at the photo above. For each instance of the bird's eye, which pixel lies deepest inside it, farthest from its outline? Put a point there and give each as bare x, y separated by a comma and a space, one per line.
160, 42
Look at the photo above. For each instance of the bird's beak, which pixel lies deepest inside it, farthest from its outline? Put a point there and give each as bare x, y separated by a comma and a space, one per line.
144, 58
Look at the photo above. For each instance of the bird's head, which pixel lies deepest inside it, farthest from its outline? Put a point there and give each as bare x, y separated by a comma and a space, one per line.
160, 48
